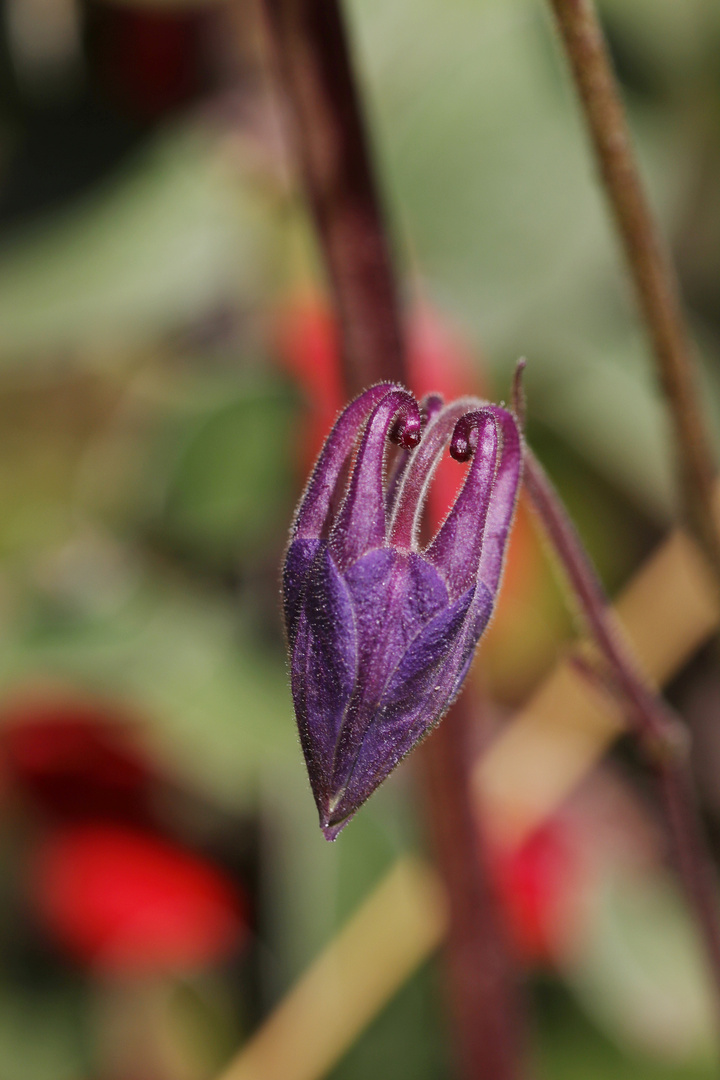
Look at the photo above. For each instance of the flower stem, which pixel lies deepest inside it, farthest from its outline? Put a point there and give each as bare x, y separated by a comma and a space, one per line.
311, 53
483, 987
662, 735
313, 63
648, 261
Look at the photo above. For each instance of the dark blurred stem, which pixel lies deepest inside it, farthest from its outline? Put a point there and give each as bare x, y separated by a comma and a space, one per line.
483, 989
312, 59
310, 51
648, 261
661, 734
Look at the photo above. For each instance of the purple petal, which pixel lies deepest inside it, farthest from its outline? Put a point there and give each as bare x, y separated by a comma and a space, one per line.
430, 406
502, 504
324, 663
313, 515
417, 696
299, 559
412, 490
457, 547
414, 680
361, 523
393, 597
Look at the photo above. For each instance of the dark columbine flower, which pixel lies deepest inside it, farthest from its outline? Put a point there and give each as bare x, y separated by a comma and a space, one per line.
382, 629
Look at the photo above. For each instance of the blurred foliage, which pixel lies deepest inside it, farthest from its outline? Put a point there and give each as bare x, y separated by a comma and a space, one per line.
640, 973
42, 1036
570, 1046
494, 189
232, 482
409, 1033
154, 247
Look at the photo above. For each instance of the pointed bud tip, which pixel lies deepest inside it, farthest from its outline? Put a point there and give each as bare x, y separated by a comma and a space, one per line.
331, 831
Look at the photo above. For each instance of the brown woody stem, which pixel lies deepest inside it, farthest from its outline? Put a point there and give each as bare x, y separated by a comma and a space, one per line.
648, 261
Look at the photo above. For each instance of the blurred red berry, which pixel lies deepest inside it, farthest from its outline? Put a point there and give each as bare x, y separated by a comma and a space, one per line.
75, 758
125, 903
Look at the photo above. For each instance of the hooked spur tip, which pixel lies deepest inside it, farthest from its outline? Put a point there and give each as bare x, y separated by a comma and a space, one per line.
462, 444
407, 431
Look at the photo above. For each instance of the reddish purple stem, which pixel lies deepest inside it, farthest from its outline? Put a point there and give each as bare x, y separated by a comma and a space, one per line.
661, 734
311, 52
487, 1007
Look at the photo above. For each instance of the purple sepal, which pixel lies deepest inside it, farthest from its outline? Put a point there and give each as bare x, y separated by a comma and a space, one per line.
298, 561
381, 630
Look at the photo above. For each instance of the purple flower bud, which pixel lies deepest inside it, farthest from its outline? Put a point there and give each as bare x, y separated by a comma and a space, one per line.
381, 629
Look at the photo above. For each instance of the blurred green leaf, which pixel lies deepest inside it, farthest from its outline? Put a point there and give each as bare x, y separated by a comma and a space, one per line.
572, 1048
158, 246
316, 885
41, 1036
640, 973
408, 1032
671, 36
606, 406
232, 483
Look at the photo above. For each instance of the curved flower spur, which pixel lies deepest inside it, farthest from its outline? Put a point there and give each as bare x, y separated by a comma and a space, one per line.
381, 630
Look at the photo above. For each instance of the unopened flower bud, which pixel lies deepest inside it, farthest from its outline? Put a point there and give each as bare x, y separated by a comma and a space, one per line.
382, 628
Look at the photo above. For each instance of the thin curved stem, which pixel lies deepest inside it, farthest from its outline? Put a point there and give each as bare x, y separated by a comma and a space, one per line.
648, 262
662, 735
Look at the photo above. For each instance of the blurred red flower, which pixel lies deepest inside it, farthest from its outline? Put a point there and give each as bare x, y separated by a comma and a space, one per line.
306, 345
541, 887
123, 902
75, 758
439, 361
